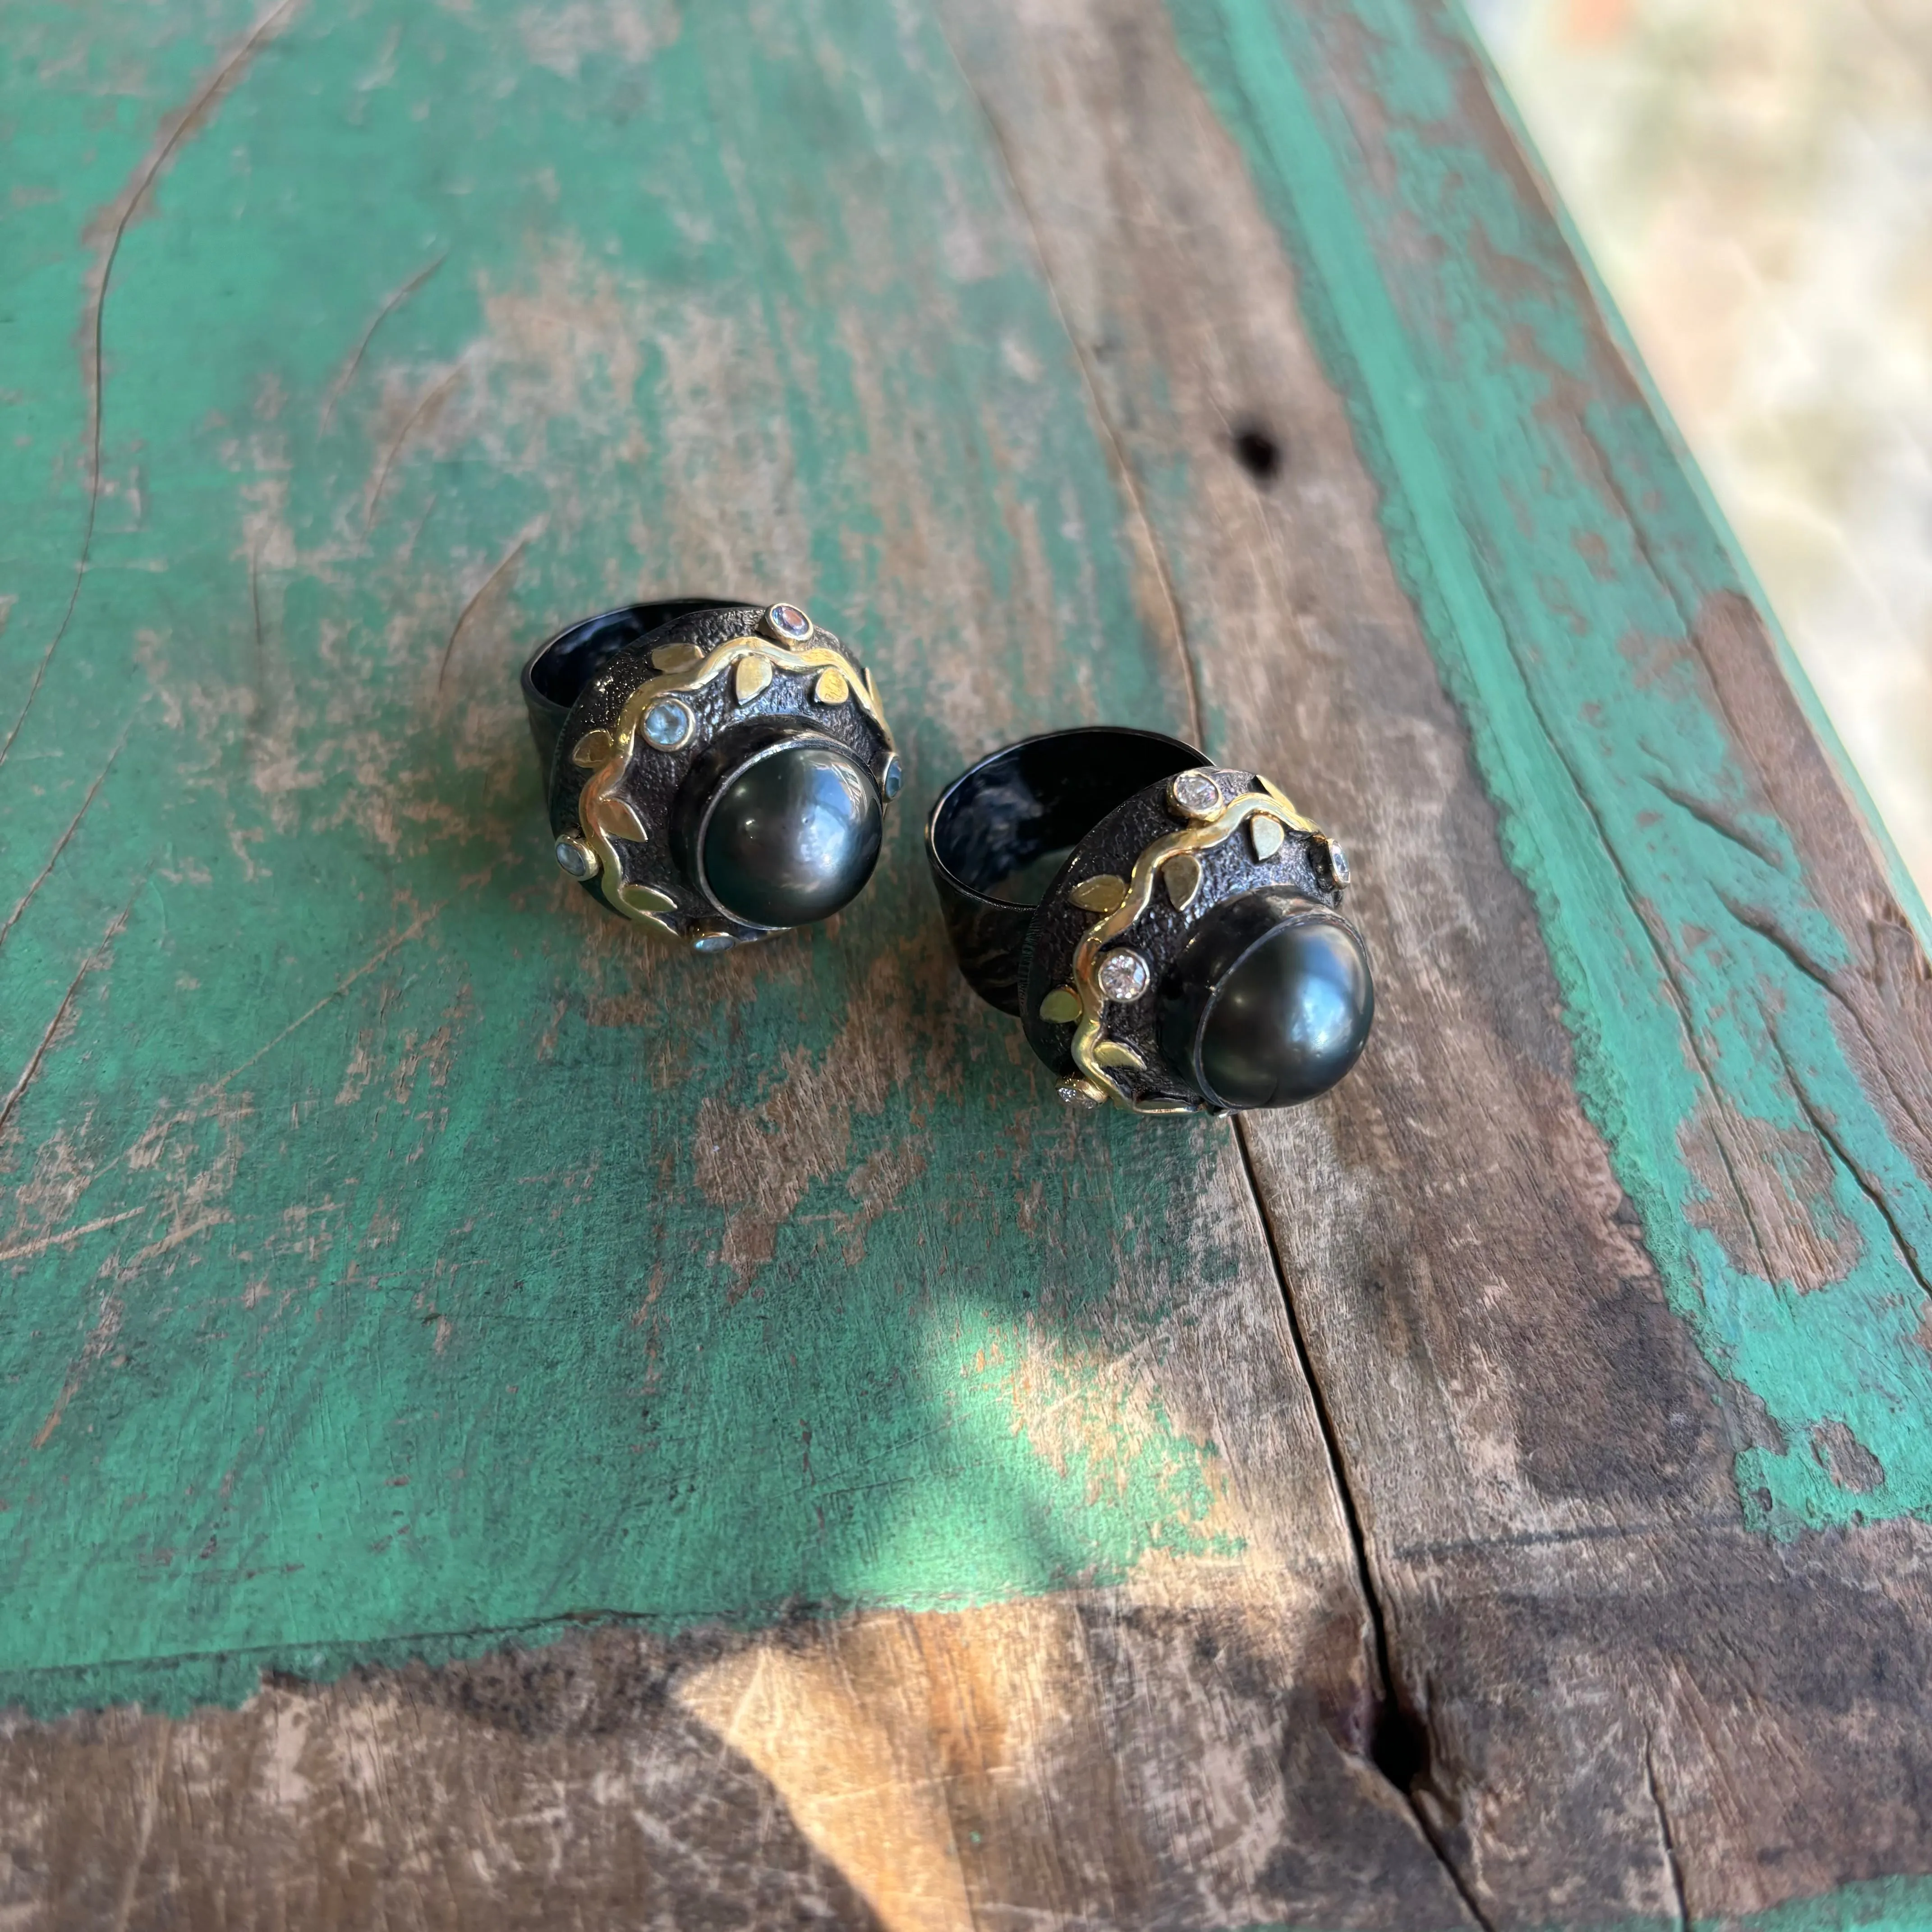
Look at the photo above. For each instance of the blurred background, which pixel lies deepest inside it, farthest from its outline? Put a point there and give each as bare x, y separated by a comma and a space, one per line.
1753, 179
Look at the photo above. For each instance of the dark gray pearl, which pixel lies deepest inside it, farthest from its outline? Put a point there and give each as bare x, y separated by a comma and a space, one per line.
1269, 1002
1291, 1019
794, 836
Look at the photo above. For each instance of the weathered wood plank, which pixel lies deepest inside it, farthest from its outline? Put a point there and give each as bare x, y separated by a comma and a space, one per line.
1097, 1760
407, 1260
951, 1463
1593, 1469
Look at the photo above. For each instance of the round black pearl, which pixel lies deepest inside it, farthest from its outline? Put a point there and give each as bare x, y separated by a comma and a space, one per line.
1290, 1018
794, 836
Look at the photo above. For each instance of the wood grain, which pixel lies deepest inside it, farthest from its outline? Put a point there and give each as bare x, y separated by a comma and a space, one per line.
1625, 1696
1105, 1759
518, 1427
408, 1260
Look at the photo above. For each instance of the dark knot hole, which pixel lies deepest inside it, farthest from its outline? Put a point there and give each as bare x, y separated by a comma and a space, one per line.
1257, 451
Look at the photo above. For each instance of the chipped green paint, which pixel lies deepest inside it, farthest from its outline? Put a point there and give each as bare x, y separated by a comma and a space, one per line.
1558, 574
402, 1253
1872, 1905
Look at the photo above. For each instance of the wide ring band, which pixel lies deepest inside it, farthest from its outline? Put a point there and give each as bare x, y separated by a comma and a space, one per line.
718, 771
1189, 952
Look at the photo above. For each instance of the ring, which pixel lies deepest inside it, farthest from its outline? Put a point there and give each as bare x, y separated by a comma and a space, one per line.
718, 771
1189, 954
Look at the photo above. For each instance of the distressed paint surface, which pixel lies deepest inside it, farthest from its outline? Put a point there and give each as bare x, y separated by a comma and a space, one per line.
809, 1299
1563, 580
406, 319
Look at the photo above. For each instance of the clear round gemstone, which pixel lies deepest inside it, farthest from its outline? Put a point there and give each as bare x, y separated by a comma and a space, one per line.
712, 942
1123, 974
576, 858
667, 725
1073, 1093
895, 777
1338, 863
1196, 794
788, 620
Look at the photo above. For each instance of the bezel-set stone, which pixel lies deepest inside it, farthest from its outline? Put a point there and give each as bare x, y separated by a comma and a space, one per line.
1248, 907
577, 858
1123, 975
668, 725
1338, 864
1194, 795
787, 623
697, 734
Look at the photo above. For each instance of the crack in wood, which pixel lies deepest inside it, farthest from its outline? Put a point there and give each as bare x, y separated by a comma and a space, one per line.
340, 387
92, 320
1756, 919
1399, 1736
1908, 1249
30, 1071
1667, 1837
73, 825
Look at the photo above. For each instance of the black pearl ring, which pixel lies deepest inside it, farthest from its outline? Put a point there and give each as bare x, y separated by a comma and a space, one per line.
1189, 954
719, 771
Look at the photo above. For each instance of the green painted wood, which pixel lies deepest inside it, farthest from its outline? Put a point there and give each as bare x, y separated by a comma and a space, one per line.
1570, 573
402, 1256
1882, 1905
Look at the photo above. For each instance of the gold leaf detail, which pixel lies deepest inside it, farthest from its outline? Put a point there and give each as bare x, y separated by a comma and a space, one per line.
593, 749
1118, 1053
660, 922
646, 899
1181, 876
1102, 893
1163, 1103
676, 657
831, 689
753, 674
617, 818
1061, 1006
1267, 833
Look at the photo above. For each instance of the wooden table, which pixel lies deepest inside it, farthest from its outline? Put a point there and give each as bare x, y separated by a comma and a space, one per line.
509, 1426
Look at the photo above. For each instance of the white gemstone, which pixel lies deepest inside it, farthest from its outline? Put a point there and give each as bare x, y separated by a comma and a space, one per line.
1074, 1094
667, 725
1196, 794
1123, 974
713, 942
576, 858
1338, 863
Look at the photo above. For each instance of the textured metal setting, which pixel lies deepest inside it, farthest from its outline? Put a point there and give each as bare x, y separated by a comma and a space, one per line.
648, 715
1136, 888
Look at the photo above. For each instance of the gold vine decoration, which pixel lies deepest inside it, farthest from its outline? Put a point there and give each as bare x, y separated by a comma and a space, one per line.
1176, 858
605, 816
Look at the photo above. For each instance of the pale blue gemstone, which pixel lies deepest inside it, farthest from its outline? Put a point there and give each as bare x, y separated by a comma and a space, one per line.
667, 725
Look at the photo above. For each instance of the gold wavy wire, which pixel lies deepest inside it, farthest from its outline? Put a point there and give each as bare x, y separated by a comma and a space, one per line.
1200, 836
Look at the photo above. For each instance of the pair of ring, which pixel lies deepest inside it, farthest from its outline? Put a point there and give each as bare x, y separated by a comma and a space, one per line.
721, 771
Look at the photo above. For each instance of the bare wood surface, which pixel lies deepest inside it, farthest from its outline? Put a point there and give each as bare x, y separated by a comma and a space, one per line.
1620, 1698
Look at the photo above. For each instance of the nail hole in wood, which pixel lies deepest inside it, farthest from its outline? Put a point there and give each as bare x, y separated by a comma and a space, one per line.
1257, 452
